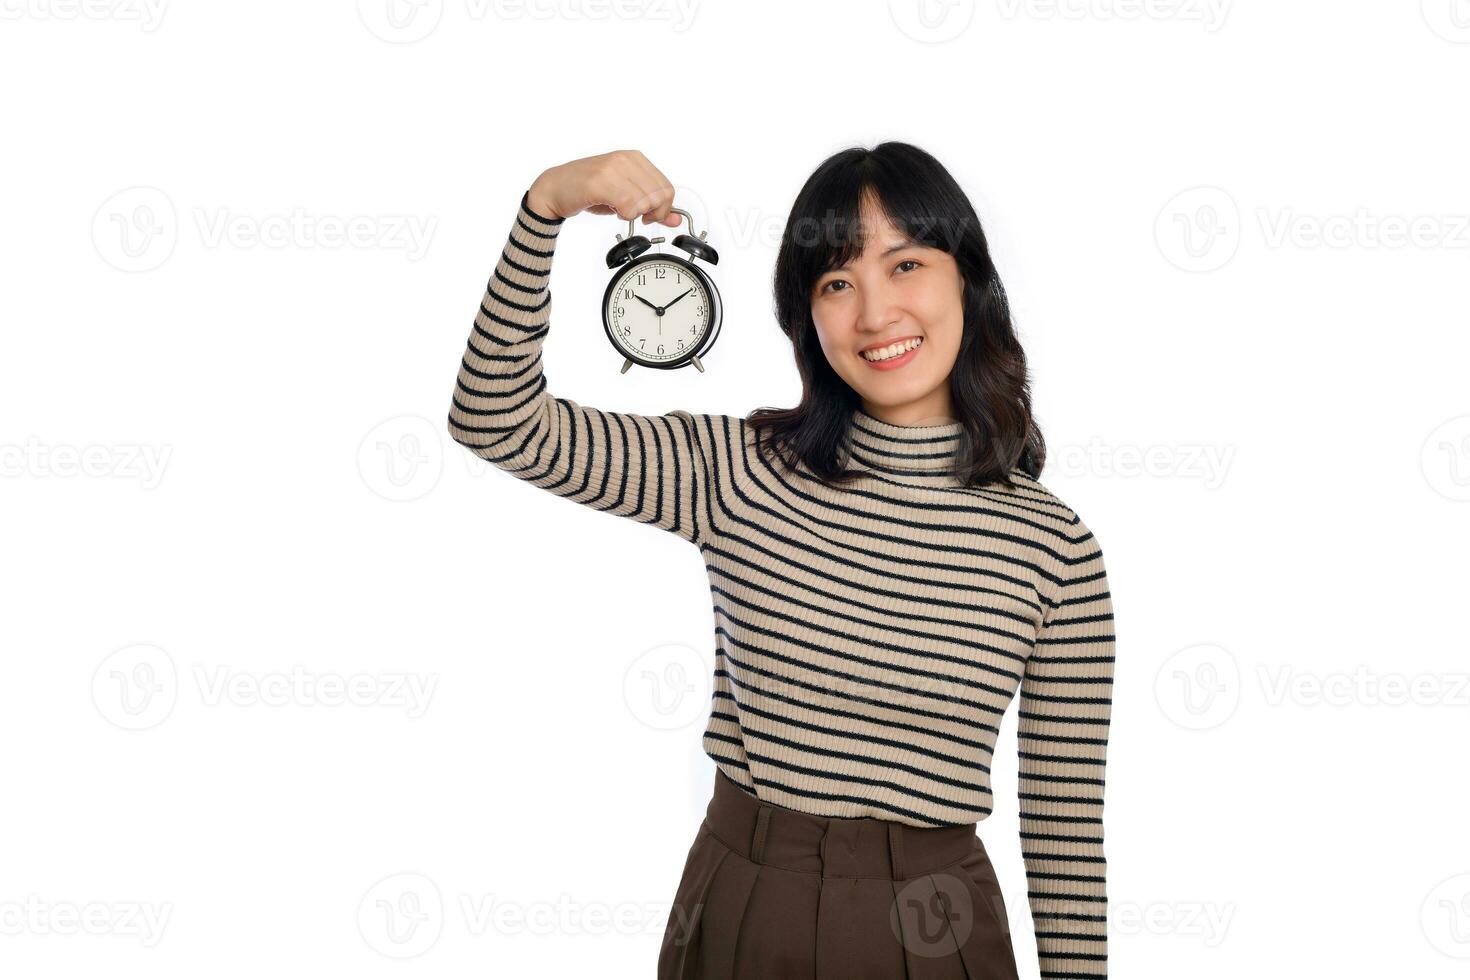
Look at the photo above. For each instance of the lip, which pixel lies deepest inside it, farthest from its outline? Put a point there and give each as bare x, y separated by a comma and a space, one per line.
893, 363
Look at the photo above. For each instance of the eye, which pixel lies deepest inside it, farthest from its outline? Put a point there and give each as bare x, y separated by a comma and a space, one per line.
830, 282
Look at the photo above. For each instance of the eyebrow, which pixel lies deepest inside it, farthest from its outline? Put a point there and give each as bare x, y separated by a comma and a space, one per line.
895, 247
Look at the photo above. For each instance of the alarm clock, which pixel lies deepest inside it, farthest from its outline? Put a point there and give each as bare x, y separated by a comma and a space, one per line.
660, 310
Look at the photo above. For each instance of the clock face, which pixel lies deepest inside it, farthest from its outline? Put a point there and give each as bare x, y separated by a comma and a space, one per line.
658, 310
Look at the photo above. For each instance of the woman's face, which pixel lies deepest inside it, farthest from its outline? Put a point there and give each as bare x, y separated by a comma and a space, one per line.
899, 294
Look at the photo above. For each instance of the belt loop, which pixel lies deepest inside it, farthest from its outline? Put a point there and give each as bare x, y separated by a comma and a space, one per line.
758, 844
895, 849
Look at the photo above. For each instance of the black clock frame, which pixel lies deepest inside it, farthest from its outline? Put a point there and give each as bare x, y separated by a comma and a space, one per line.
717, 316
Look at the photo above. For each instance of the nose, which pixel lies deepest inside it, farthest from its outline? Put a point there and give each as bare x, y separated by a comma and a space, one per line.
878, 311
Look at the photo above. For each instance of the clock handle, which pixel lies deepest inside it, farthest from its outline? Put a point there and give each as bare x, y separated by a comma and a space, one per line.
635, 244
688, 223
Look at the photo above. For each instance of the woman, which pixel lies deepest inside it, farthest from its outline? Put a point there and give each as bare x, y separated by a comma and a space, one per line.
887, 573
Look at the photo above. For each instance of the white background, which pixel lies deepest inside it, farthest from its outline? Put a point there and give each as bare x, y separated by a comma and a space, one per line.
1235, 236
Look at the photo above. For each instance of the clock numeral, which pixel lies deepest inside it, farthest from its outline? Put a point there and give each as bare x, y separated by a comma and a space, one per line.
660, 273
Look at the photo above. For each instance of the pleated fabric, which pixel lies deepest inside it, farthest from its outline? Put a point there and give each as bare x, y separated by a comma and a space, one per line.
770, 893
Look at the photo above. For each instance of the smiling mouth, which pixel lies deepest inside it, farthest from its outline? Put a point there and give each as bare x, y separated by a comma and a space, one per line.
889, 351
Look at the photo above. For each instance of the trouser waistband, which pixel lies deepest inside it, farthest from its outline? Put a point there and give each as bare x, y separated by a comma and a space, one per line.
865, 847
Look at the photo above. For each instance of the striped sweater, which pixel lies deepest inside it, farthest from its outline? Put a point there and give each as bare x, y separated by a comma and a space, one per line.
868, 639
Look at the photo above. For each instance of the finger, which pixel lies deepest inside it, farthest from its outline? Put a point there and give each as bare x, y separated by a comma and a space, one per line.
644, 188
663, 191
663, 212
659, 190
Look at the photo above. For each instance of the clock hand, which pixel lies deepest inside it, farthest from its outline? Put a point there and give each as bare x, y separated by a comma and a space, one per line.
679, 297
644, 302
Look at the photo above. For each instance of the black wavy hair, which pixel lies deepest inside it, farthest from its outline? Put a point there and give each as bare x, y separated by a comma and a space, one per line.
989, 385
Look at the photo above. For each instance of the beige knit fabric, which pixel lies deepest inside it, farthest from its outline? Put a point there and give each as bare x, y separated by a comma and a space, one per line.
869, 638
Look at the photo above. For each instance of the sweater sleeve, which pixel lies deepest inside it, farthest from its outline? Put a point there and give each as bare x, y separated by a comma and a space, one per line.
1066, 701
652, 469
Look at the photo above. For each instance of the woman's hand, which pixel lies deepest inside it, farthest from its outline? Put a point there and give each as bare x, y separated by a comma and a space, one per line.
622, 182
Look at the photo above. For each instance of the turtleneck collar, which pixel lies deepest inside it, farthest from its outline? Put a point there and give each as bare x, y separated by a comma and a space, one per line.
904, 452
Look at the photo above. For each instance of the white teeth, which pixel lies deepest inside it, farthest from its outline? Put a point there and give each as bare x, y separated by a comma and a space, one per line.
892, 350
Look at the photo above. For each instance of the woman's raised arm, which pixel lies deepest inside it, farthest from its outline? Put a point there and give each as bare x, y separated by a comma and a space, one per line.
653, 469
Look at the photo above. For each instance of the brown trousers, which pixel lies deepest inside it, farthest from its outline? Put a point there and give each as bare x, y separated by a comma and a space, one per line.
770, 893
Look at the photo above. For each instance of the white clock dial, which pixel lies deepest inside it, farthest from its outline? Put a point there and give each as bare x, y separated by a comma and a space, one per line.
658, 310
